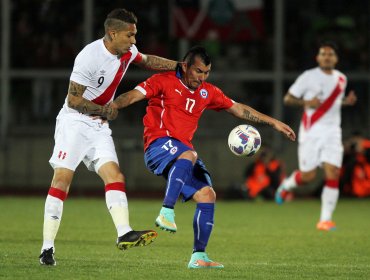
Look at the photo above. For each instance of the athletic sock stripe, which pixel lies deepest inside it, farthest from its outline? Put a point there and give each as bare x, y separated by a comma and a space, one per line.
57, 193
334, 184
118, 186
298, 177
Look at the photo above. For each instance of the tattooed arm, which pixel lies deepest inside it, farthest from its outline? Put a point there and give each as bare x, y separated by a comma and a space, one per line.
157, 63
84, 106
127, 98
247, 113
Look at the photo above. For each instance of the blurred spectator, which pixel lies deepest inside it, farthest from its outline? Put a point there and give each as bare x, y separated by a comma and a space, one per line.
355, 174
264, 175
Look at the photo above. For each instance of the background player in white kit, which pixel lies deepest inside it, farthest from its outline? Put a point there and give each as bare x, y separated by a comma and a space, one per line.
82, 132
320, 91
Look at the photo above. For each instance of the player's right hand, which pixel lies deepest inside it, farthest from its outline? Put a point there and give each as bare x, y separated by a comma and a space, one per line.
313, 103
109, 112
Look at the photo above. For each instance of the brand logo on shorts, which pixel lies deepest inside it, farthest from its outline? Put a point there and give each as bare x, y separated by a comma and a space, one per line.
203, 93
62, 155
173, 150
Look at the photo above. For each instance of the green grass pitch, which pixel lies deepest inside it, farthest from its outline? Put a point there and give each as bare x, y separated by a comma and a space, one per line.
254, 240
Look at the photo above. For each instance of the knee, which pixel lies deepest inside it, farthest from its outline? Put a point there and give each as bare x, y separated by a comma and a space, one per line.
110, 173
61, 184
62, 179
114, 178
205, 195
333, 174
189, 155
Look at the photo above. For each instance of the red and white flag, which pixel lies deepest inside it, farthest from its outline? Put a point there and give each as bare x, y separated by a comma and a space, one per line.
231, 20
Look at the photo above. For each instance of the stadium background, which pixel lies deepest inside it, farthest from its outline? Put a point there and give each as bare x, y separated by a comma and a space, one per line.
268, 44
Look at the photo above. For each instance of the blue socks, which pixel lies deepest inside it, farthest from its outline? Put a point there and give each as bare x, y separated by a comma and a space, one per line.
179, 173
203, 225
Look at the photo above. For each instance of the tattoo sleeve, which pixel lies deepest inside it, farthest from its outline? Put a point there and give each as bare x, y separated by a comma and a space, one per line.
82, 105
122, 101
159, 63
254, 116
128, 98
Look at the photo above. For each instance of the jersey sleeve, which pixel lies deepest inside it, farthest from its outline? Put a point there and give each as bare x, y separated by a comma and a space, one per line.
150, 87
219, 100
83, 69
299, 87
136, 56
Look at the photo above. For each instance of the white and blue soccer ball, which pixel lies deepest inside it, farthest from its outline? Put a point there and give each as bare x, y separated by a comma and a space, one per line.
244, 140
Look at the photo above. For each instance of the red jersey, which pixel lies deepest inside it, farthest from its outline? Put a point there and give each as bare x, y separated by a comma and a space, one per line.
174, 110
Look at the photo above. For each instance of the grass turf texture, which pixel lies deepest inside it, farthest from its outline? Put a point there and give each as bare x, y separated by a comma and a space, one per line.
257, 240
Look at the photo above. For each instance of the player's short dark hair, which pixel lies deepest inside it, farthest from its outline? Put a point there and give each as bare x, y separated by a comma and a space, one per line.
197, 51
118, 18
329, 44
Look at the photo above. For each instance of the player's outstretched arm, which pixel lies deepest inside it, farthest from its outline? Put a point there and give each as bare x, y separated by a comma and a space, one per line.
82, 105
245, 112
127, 98
157, 63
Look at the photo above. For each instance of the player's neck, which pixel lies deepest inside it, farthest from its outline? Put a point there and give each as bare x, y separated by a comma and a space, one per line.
109, 47
327, 71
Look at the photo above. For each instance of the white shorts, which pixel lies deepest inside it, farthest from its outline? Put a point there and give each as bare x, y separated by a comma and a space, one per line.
314, 151
80, 138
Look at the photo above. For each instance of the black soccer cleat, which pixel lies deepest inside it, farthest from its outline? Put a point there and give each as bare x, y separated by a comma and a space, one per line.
135, 239
47, 257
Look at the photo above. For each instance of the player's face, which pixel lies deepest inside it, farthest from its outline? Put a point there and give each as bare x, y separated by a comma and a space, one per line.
195, 74
327, 58
123, 40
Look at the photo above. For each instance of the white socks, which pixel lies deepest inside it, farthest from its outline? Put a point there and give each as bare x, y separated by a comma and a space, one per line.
290, 183
329, 198
118, 208
52, 217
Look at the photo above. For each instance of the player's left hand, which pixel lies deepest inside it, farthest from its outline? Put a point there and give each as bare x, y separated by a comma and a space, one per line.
285, 129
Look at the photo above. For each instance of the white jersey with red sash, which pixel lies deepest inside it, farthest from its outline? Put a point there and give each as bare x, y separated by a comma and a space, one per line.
79, 137
100, 71
330, 90
320, 134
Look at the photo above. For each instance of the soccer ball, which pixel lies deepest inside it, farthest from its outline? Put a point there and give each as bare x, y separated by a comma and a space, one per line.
244, 140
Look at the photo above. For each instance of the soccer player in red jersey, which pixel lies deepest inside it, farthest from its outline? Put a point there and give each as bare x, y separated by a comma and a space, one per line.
176, 102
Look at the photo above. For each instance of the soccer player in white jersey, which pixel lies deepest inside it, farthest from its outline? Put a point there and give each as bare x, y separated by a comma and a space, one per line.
82, 131
321, 92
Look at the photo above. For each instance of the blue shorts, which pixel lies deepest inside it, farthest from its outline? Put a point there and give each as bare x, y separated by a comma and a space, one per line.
163, 152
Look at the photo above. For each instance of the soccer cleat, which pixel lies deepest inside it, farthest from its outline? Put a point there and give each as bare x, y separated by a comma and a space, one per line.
326, 225
135, 239
47, 257
201, 260
166, 220
281, 194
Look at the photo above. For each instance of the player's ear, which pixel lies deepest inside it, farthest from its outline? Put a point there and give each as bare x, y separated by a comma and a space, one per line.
184, 66
112, 34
